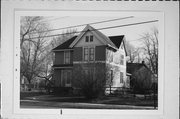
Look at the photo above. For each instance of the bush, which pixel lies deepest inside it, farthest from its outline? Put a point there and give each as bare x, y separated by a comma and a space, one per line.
63, 91
91, 89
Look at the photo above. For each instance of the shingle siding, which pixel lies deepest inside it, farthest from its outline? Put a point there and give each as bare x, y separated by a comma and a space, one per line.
71, 57
59, 57
100, 53
77, 54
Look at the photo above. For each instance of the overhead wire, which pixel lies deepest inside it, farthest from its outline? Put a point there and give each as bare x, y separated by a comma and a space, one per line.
85, 24
111, 27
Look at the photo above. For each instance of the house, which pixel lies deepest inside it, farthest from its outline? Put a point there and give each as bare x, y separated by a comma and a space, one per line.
141, 78
90, 56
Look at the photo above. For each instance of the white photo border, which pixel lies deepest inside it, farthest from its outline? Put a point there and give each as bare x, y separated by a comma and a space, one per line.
51, 113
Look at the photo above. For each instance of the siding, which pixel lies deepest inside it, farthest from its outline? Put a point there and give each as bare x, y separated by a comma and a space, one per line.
78, 75
57, 77
71, 57
100, 54
59, 57
77, 55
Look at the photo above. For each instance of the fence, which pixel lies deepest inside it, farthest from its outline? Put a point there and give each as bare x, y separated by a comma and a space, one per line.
123, 91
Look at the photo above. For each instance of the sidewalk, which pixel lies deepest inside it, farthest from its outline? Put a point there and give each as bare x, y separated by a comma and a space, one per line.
47, 104
52, 101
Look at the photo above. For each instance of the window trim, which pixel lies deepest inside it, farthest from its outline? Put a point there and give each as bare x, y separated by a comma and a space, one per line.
87, 54
91, 38
87, 39
69, 56
65, 72
122, 59
91, 54
94, 47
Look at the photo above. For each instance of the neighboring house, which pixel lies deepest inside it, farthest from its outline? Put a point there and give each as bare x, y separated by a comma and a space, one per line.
92, 54
141, 76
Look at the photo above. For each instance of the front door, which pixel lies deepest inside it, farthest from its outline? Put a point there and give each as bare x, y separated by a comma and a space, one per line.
66, 77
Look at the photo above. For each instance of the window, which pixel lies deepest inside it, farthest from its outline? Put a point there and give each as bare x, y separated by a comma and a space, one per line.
109, 55
67, 76
122, 60
67, 57
87, 38
91, 38
121, 77
68, 80
89, 54
85, 54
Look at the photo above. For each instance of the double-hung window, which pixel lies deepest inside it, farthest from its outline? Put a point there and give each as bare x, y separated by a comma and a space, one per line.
89, 38
86, 52
67, 57
122, 60
89, 54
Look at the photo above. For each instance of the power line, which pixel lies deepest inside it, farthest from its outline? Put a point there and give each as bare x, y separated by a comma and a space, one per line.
55, 19
86, 24
138, 23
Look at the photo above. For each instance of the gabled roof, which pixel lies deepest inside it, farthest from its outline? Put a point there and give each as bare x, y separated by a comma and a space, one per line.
66, 44
117, 40
106, 40
112, 41
132, 67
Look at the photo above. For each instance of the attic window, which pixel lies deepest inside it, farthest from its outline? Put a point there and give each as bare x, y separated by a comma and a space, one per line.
91, 38
87, 38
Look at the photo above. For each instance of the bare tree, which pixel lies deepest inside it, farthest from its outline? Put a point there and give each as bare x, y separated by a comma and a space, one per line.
33, 51
133, 53
151, 49
64, 37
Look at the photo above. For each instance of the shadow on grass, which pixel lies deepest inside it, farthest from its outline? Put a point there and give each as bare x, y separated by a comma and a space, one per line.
55, 99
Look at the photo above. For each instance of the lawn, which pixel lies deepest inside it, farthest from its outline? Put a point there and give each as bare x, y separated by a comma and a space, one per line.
40, 99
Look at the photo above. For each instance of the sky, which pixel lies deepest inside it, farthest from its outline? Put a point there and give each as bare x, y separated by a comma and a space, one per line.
133, 33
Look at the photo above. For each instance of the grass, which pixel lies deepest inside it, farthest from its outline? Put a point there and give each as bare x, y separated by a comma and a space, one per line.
42, 99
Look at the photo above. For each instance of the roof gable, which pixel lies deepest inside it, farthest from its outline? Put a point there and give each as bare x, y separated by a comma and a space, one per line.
111, 41
117, 40
95, 42
97, 33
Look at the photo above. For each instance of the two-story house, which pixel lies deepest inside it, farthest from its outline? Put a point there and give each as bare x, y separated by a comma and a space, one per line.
92, 54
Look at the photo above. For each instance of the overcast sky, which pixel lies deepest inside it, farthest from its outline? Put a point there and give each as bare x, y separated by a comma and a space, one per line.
132, 33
